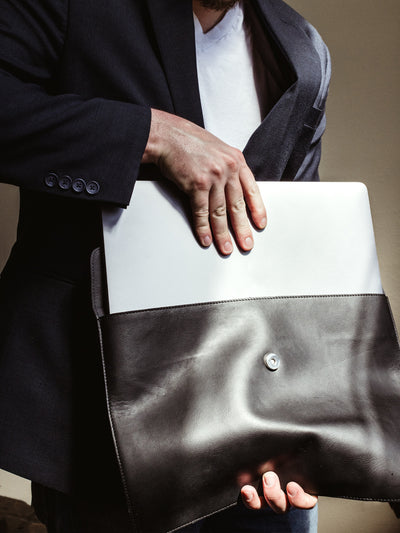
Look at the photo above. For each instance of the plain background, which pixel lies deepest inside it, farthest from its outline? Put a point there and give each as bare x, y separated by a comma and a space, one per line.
361, 144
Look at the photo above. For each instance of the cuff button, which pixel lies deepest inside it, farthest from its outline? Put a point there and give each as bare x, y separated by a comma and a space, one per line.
65, 183
51, 179
78, 185
92, 187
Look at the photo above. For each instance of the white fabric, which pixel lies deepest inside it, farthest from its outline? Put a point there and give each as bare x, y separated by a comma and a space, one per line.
228, 93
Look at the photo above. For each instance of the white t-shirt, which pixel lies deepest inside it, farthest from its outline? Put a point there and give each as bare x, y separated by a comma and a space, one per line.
228, 91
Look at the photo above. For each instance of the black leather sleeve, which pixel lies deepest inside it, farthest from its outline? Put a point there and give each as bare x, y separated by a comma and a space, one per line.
60, 143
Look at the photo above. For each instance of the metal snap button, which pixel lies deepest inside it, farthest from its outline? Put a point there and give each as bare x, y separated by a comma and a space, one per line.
272, 361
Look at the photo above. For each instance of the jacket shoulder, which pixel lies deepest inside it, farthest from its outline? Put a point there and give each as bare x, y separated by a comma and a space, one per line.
289, 16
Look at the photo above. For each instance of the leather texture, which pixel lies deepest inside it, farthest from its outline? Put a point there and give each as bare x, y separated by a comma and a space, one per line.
196, 412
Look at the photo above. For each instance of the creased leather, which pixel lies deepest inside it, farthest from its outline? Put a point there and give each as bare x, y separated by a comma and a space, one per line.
196, 413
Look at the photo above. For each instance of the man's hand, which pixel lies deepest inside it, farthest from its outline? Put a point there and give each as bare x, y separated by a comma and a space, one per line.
274, 497
214, 175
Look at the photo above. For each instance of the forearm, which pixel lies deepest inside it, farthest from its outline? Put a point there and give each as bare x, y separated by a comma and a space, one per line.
97, 140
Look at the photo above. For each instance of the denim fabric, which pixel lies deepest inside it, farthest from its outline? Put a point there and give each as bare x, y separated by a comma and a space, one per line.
238, 519
63, 514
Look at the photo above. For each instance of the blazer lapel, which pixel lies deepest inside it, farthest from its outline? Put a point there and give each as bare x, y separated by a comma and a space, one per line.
270, 148
269, 151
174, 31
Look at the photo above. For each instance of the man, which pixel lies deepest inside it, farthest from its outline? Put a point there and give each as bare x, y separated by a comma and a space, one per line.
94, 95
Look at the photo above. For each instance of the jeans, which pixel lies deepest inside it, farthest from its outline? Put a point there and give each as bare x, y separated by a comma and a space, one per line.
64, 514
239, 519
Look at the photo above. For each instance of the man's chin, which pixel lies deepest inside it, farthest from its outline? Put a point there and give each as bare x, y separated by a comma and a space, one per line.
218, 5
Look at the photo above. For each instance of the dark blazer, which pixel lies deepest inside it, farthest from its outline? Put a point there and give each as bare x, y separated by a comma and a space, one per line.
77, 80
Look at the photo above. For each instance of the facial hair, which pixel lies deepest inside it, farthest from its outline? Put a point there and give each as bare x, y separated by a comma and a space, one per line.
218, 5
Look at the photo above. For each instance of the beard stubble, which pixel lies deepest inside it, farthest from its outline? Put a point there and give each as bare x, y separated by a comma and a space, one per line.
218, 5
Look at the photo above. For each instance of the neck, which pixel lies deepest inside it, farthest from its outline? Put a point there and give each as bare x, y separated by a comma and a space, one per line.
208, 18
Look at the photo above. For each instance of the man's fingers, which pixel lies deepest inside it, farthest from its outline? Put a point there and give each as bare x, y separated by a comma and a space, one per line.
238, 216
273, 494
251, 498
253, 198
274, 497
298, 498
219, 220
201, 217
180, 148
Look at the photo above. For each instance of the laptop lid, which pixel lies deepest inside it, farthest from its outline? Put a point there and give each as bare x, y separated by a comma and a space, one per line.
319, 240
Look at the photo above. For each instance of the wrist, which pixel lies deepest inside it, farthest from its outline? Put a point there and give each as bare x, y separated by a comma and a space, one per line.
151, 152
166, 132
161, 126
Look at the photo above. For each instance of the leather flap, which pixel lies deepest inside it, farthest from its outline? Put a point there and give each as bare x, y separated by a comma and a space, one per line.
206, 397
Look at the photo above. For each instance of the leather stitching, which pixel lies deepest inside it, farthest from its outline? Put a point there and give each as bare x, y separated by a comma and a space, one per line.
260, 299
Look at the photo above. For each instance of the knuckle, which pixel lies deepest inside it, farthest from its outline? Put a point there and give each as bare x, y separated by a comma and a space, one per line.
252, 189
202, 228
237, 154
201, 217
201, 213
201, 182
238, 206
233, 165
219, 212
240, 158
217, 170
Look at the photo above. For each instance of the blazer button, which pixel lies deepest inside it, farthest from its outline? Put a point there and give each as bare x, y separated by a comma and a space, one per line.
65, 183
92, 187
78, 185
51, 179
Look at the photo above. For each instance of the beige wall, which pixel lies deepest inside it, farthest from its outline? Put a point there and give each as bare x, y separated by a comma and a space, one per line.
362, 141
8, 219
361, 144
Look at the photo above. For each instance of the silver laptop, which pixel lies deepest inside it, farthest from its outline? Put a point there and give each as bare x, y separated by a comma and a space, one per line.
319, 240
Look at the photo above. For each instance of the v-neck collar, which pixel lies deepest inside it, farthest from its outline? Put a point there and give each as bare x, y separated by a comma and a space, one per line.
230, 23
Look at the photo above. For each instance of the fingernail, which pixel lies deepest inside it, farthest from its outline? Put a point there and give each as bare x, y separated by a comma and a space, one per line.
206, 241
263, 222
292, 491
269, 479
249, 242
228, 247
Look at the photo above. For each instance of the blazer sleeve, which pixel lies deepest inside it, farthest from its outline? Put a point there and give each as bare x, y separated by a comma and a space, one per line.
91, 144
308, 170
